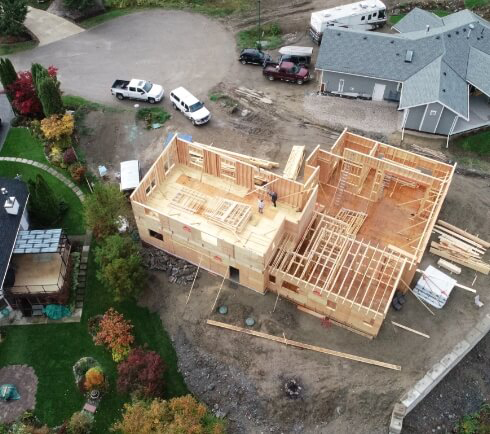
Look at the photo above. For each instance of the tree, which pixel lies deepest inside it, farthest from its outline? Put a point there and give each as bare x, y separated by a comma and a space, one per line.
179, 415
103, 208
39, 72
80, 423
79, 5
23, 94
121, 268
50, 97
115, 333
45, 209
141, 373
12, 16
8, 75
58, 127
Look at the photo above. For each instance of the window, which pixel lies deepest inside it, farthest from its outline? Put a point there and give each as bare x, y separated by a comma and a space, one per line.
132, 89
363, 18
375, 14
156, 235
186, 107
272, 279
148, 190
433, 113
153, 184
290, 286
331, 305
369, 17
141, 91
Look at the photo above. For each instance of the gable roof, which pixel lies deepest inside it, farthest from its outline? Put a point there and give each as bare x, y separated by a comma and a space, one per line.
445, 57
418, 19
10, 224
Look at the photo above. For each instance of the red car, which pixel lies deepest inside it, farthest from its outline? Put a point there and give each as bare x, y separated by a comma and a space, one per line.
286, 71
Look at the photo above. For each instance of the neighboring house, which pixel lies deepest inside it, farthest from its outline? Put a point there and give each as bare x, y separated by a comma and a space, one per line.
34, 265
437, 69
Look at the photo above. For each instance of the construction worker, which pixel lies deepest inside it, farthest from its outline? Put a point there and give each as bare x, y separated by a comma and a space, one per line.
261, 206
273, 196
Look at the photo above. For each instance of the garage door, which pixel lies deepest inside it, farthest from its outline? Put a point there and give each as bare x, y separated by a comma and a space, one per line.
378, 92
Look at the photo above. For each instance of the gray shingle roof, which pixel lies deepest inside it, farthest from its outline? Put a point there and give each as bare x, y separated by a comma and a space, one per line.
9, 224
417, 19
444, 58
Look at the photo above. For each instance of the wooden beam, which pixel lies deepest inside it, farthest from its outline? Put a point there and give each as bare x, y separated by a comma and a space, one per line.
417, 297
465, 234
194, 281
304, 346
449, 266
410, 330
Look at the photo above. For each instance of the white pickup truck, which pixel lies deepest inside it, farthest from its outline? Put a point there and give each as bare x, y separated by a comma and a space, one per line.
137, 89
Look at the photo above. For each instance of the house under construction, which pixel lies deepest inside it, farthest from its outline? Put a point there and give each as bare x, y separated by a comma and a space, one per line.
338, 244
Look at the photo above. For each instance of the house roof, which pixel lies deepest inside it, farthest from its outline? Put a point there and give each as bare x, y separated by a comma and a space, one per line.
444, 58
418, 19
9, 223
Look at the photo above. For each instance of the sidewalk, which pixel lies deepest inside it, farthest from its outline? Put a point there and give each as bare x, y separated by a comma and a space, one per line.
49, 28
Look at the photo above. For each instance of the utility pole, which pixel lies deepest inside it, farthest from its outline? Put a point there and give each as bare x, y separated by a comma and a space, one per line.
259, 45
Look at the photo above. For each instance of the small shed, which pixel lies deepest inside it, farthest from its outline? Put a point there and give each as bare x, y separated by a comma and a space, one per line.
130, 175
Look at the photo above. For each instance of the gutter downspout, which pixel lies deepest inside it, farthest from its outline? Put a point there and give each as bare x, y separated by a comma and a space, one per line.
451, 130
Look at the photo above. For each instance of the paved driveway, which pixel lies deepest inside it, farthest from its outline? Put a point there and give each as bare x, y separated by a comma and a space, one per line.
6, 115
171, 48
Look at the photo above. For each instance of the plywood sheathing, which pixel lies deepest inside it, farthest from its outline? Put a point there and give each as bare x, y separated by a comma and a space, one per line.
295, 160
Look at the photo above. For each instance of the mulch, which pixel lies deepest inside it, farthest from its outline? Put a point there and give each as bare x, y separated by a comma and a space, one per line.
24, 379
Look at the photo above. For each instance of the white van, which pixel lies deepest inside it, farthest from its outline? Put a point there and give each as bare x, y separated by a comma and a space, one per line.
188, 104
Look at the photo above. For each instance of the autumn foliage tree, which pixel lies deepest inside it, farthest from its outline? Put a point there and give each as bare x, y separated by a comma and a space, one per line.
115, 333
24, 97
58, 127
141, 374
179, 415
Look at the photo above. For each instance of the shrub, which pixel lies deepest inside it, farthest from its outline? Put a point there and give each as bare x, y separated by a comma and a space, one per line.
80, 423
45, 209
94, 379
115, 333
179, 415
77, 171
141, 374
152, 115
69, 156
12, 17
56, 155
23, 94
93, 325
57, 127
50, 96
103, 208
121, 269
8, 75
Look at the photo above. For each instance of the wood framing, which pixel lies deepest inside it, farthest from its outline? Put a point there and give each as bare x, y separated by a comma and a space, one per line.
338, 244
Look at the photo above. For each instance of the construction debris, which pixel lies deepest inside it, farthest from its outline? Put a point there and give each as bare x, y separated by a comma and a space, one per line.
426, 152
410, 329
434, 287
253, 94
304, 346
294, 162
461, 247
178, 270
449, 266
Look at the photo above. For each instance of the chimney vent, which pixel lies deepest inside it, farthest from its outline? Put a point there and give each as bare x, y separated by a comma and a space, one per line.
11, 206
3, 190
427, 28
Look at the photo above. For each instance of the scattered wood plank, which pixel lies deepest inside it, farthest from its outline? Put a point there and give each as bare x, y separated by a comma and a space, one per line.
410, 330
465, 234
309, 311
474, 265
449, 266
283, 340
294, 162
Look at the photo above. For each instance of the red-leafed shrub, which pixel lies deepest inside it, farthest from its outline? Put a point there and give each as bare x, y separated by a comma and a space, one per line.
23, 94
141, 374
69, 156
77, 171
115, 334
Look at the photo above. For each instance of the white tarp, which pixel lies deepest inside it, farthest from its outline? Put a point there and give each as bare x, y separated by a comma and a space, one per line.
434, 287
293, 50
130, 175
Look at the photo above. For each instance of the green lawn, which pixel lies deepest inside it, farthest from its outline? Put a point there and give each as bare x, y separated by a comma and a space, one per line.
472, 4
20, 143
53, 349
6, 49
393, 19
72, 221
478, 143
269, 32
106, 16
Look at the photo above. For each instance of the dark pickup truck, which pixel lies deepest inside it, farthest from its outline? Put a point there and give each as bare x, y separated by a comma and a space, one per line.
286, 71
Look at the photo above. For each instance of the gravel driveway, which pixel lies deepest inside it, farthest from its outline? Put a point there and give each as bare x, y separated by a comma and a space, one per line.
146, 45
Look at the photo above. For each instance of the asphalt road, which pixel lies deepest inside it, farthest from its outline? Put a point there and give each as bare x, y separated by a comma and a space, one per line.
171, 48
6, 115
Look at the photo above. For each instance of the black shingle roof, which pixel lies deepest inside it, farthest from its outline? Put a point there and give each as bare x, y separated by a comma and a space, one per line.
9, 224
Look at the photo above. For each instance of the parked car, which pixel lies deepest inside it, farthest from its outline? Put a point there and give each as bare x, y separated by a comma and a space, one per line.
137, 89
297, 55
252, 55
286, 71
190, 106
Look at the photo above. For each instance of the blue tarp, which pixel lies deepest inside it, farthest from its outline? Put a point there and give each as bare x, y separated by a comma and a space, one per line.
8, 392
56, 311
182, 136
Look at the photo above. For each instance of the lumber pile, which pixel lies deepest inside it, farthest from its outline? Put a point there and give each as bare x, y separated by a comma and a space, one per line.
258, 162
460, 246
253, 95
431, 153
293, 165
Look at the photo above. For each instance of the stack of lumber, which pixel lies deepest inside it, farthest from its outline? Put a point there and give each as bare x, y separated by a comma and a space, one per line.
460, 246
431, 153
264, 164
294, 162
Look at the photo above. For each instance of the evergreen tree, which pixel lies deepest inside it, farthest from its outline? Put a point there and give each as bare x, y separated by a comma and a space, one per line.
8, 75
50, 96
38, 72
45, 209
12, 16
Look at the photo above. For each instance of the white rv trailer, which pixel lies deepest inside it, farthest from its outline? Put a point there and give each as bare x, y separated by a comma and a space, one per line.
363, 15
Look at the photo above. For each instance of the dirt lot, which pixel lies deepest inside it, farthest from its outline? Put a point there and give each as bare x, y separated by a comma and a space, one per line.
243, 377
